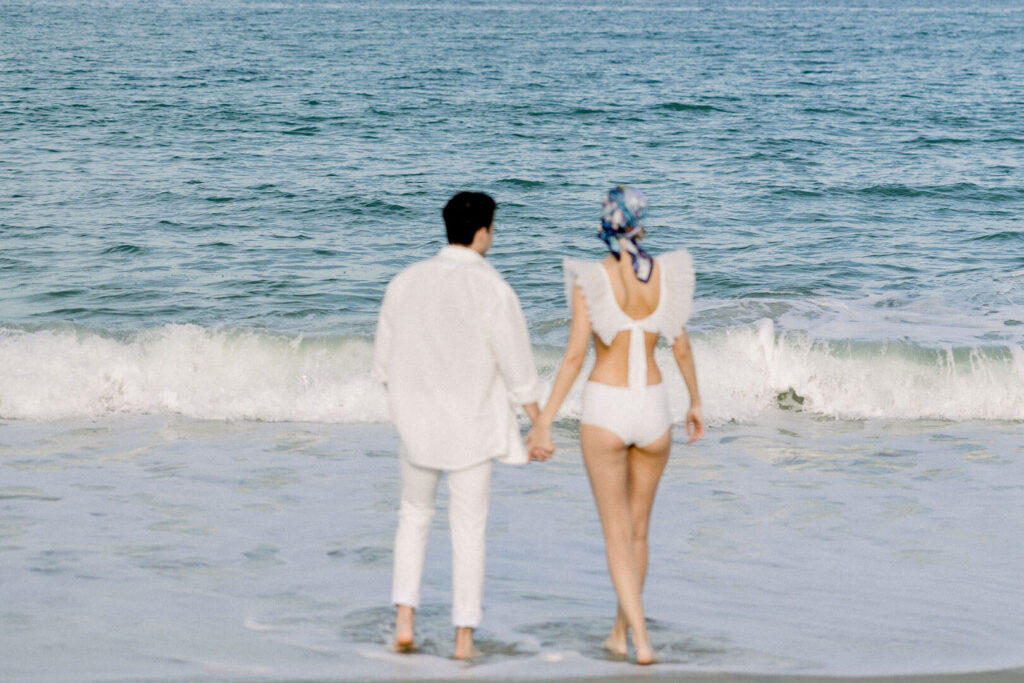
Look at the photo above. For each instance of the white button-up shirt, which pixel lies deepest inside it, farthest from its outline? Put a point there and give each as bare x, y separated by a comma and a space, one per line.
453, 349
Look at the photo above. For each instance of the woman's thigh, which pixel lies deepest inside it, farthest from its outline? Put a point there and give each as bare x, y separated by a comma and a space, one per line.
646, 465
605, 456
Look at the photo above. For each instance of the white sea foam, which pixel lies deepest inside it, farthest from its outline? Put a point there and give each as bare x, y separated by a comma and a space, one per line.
745, 373
187, 370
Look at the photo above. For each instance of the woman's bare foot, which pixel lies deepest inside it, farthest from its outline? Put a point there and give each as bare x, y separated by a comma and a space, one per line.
405, 622
464, 643
644, 651
617, 642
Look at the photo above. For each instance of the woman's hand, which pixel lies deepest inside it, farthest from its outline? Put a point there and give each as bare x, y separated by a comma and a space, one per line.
694, 423
539, 442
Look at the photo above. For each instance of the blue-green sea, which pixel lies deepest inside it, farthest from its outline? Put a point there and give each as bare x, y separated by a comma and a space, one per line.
202, 202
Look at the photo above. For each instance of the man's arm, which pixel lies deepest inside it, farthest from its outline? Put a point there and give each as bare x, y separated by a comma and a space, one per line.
510, 341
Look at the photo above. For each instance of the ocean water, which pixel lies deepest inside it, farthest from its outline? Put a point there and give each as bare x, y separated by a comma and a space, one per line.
201, 205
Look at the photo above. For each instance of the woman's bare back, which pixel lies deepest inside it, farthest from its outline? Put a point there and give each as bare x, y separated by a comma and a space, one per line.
637, 300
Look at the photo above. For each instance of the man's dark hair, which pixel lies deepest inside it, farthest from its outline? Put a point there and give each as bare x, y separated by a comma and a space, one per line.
465, 213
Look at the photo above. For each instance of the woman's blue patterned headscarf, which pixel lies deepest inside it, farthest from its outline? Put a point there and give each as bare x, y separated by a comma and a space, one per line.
623, 218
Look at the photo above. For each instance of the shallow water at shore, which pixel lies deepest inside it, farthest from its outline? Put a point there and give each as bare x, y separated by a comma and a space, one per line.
168, 548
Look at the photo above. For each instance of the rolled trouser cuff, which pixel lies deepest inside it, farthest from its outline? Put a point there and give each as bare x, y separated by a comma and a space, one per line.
467, 618
405, 598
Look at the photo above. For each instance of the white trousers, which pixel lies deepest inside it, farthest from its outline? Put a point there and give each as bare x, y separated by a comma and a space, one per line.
468, 500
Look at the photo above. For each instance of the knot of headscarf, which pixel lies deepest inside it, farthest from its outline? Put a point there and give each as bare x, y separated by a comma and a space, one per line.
622, 217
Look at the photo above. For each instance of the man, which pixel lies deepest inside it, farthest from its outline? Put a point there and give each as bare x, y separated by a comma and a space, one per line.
453, 349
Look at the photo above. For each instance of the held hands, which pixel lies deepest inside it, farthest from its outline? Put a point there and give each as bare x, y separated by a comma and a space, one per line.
539, 442
694, 423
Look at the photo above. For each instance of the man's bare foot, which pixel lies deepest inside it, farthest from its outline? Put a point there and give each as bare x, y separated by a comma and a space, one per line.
405, 622
464, 643
617, 641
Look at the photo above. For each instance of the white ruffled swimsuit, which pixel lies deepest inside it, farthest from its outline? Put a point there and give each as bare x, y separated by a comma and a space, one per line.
638, 413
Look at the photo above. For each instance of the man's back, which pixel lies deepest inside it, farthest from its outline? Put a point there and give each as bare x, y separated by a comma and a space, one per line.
453, 349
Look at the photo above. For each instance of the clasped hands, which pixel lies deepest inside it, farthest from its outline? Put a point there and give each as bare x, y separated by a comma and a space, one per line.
538, 441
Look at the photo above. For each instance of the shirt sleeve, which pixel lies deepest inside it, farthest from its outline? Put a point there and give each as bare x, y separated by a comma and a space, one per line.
510, 341
382, 342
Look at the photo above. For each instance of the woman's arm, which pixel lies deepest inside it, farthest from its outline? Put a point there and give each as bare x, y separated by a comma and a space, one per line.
684, 359
568, 371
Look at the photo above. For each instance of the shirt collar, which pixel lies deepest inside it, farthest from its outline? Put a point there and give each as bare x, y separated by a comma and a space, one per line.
455, 252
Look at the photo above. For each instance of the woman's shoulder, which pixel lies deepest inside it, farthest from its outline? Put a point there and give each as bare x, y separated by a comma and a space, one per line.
592, 279
678, 260
585, 273
580, 263
589, 269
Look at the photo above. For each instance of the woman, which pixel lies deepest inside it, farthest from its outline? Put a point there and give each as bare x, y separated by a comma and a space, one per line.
625, 428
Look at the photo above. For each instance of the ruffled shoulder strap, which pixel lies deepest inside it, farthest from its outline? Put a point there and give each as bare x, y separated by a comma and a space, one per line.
679, 281
605, 315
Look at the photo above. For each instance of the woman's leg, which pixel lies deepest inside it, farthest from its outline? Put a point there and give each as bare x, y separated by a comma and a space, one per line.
415, 513
607, 462
469, 497
646, 465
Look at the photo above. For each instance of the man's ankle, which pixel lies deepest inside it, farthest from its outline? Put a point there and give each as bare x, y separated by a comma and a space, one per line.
464, 642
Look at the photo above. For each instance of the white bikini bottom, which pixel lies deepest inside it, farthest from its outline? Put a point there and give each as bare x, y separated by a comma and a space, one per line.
638, 415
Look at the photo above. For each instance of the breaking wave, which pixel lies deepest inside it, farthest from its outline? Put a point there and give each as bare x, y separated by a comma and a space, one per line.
745, 374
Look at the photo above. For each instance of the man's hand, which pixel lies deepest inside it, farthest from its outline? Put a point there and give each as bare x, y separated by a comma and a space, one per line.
539, 442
